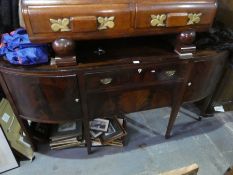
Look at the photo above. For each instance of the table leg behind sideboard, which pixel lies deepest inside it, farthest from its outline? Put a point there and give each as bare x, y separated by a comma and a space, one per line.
87, 135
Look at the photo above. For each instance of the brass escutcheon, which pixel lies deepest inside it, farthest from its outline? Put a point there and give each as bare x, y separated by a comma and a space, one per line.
194, 18
60, 24
158, 20
106, 22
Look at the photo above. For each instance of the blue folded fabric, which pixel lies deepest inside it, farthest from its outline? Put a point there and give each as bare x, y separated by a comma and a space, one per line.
18, 49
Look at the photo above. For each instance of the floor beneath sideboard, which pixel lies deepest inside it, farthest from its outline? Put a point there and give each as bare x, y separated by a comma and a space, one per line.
208, 143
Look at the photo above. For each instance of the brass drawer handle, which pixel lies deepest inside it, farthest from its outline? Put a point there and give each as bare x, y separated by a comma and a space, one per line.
76, 100
106, 81
194, 18
106, 22
60, 24
158, 20
170, 73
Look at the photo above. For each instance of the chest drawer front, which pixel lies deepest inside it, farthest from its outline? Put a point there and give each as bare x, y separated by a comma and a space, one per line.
79, 18
171, 15
150, 74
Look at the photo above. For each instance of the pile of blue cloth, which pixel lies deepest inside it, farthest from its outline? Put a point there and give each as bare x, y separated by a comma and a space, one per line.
17, 49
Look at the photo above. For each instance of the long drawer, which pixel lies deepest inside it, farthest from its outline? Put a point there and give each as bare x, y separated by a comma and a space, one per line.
79, 18
136, 76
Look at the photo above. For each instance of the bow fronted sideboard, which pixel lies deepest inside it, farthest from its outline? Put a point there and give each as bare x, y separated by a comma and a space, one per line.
112, 77
101, 67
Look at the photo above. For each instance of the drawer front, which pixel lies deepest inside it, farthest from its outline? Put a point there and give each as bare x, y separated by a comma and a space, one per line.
134, 76
170, 15
127, 101
79, 18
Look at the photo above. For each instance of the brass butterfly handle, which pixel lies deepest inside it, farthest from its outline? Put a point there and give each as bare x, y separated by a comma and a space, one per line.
61, 25
106, 22
158, 20
194, 18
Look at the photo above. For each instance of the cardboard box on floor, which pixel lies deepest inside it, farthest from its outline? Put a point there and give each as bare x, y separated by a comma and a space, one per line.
13, 130
7, 159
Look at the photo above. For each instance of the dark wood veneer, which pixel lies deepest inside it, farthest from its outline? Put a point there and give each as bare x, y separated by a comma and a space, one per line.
50, 98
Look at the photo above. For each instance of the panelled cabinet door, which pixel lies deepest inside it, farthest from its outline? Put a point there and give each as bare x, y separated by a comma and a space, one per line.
224, 92
45, 98
205, 75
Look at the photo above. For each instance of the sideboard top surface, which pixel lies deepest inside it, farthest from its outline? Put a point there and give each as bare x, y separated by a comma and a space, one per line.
63, 2
117, 52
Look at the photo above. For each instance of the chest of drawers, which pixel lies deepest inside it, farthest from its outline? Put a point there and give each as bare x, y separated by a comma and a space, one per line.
87, 19
61, 22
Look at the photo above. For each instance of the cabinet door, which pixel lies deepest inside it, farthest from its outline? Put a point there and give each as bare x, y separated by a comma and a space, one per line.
49, 99
205, 75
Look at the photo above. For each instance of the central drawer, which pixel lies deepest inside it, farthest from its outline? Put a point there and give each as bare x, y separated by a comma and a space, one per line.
132, 100
136, 76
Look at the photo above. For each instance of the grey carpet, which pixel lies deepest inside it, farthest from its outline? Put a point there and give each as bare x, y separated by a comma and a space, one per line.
209, 143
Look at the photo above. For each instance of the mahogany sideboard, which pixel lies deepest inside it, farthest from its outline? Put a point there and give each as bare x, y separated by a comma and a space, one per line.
112, 77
